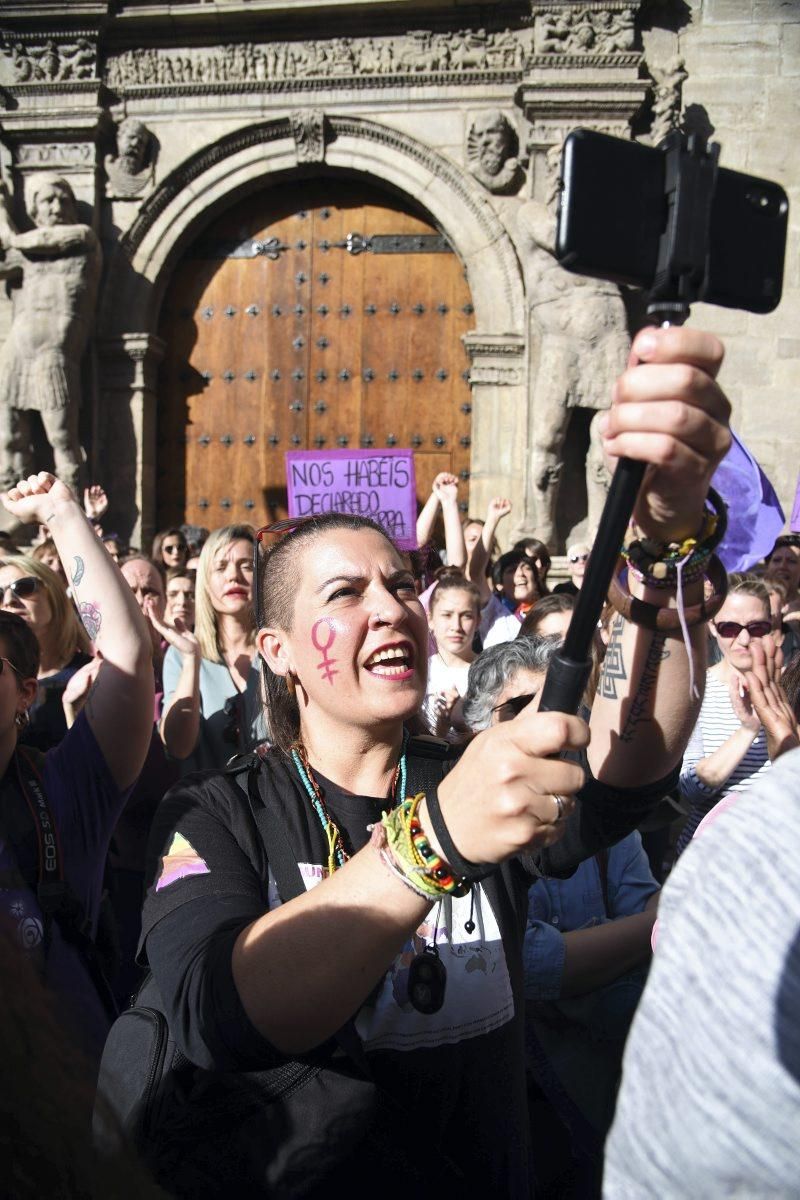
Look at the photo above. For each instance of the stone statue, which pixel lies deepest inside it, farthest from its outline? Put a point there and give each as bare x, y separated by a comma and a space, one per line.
131, 170
667, 90
583, 345
56, 268
492, 153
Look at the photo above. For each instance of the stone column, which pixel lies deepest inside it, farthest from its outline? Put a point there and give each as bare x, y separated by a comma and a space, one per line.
499, 425
128, 378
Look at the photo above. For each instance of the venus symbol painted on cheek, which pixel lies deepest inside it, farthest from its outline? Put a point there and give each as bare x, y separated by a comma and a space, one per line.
326, 664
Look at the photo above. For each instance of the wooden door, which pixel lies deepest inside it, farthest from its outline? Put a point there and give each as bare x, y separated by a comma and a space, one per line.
321, 314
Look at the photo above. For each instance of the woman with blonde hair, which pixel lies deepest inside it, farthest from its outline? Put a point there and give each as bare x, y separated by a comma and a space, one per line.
34, 592
211, 694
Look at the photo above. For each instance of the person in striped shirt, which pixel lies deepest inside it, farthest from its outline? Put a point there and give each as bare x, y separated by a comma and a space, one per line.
727, 750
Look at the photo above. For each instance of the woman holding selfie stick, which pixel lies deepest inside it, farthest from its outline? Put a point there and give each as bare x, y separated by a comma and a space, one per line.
418, 1069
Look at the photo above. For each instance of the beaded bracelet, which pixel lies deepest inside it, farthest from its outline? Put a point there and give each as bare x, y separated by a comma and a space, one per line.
412, 854
656, 564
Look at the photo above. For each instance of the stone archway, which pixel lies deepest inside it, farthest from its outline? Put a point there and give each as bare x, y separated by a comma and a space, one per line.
245, 160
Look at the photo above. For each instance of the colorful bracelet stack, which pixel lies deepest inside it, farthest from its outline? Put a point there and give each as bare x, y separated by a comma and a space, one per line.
657, 564
409, 855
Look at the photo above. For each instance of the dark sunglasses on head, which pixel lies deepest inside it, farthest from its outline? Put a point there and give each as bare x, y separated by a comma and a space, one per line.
732, 629
269, 536
24, 587
513, 707
787, 539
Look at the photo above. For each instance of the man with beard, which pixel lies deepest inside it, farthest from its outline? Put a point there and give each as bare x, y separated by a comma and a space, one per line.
491, 150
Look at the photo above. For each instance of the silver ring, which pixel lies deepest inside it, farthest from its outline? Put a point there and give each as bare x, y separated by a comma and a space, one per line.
560, 806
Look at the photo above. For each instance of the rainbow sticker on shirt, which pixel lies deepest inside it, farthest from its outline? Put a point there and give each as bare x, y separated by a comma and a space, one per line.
180, 861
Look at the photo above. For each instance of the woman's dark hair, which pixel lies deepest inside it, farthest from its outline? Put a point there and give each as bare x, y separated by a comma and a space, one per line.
277, 588
537, 550
512, 558
790, 682
454, 583
557, 603
21, 644
160, 538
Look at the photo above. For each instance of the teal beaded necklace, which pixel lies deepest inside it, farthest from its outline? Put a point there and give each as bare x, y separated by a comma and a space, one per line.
337, 855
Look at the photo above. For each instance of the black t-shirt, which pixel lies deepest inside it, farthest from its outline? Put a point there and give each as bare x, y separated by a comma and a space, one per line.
457, 1073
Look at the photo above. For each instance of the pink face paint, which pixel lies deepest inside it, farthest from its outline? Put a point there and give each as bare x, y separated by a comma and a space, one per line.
326, 664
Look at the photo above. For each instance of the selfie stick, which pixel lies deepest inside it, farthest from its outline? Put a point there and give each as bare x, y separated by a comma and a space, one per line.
689, 178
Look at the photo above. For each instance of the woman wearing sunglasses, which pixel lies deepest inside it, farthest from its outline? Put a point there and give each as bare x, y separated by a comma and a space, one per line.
170, 549
86, 777
727, 750
212, 705
383, 958
34, 592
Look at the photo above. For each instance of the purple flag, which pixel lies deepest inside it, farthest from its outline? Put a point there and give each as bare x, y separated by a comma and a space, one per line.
794, 523
755, 516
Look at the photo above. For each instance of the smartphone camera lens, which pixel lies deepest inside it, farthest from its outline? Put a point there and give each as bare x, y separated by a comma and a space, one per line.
763, 202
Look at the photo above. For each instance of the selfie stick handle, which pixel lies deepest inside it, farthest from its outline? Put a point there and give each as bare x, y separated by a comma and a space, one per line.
690, 176
569, 670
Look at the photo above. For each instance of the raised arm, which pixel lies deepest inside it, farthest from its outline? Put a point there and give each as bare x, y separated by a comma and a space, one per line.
670, 413
446, 487
427, 517
180, 724
54, 239
498, 508
120, 707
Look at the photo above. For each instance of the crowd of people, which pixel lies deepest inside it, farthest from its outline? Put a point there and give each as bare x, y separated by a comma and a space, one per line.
398, 923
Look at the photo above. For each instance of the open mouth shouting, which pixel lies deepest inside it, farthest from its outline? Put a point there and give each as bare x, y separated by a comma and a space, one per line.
395, 661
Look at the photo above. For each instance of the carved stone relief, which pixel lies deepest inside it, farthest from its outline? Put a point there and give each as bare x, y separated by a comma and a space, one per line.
130, 170
420, 52
54, 155
492, 148
309, 129
54, 61
561, 30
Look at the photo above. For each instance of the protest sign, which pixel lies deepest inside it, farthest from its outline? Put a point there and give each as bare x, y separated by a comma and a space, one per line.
368, 483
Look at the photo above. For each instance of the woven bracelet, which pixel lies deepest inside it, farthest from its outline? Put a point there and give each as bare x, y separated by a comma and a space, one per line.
471, 872
667, 620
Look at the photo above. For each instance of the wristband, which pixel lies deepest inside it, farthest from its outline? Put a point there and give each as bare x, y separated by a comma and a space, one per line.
472, 872
668, 620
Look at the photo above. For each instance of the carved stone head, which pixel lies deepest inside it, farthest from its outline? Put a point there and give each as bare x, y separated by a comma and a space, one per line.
492, 153
133, 142
50, 200
491, 141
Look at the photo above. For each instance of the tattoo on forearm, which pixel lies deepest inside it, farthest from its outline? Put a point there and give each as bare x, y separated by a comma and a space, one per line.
92, 620
613, 671
641, 709
77, 571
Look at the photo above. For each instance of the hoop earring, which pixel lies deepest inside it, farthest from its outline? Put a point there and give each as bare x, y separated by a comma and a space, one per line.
291, 686
22, 719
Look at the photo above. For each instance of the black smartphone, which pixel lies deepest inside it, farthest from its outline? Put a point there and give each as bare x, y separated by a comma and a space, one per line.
612, 212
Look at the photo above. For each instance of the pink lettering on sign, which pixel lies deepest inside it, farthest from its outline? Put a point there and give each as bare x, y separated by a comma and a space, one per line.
326, 664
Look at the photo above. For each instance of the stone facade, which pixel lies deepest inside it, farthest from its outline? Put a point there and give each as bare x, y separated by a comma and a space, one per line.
227, 94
